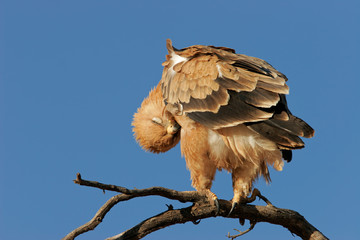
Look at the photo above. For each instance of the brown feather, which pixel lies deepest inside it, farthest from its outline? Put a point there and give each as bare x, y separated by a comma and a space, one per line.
244, 81
284, 139
273, 88
260, 98
211, 103
294, 125
232, 114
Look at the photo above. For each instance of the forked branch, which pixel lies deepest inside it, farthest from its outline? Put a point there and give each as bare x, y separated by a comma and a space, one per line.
200, 209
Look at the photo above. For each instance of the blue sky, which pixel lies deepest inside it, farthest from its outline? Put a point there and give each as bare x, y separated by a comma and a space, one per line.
72, 73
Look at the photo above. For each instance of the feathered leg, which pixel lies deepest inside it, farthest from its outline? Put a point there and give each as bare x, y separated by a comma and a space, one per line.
242, 179
202, 173
202, 183
194, 146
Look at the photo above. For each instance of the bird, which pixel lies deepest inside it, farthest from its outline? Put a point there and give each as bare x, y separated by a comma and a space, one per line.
228, 111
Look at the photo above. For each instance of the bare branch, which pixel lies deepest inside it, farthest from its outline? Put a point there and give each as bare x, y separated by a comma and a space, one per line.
99, 216
185, 196
200, 209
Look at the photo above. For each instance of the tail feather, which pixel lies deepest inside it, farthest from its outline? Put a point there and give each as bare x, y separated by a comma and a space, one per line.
287, 155
285, 133
294, 125
284, 139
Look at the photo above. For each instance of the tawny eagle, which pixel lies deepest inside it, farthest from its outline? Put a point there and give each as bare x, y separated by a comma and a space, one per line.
228, 110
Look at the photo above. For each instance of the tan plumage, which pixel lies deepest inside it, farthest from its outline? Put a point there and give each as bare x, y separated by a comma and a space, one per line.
232, 111
153, 129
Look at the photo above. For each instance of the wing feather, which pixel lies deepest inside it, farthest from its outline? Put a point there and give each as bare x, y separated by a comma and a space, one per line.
273, 88
211, 103
260, 98
221, 89
234, 113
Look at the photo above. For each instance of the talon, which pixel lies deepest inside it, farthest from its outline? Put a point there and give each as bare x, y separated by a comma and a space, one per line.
242, 221
233, 206
196, 222
217, 206
213, 199
170, 207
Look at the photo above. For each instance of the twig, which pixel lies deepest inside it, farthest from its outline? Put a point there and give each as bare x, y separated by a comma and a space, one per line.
252, 225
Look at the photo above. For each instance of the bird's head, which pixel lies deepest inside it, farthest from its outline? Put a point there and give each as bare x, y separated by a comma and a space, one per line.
154, 130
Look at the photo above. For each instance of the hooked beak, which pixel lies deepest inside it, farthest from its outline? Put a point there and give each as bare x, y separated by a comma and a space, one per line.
173, 127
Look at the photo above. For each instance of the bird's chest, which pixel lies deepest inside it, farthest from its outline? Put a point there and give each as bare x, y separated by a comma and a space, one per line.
217, 147
220, 153
199, 143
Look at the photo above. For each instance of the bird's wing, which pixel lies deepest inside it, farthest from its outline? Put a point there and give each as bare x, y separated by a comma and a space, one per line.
220, 89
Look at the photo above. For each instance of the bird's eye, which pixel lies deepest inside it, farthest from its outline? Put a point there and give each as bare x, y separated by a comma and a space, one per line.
157, 120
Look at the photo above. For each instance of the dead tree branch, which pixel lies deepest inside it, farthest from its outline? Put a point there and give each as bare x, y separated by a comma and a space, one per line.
200, 209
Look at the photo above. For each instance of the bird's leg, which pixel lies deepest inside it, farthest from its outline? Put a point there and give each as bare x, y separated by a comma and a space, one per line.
202, 182
202, 168
240, 195
242, 185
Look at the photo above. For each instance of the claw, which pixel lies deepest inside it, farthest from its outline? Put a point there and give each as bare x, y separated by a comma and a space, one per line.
216, 201
196, 222
213, 200
242, 221
233, 206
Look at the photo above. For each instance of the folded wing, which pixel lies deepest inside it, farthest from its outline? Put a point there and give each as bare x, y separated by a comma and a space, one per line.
221, 89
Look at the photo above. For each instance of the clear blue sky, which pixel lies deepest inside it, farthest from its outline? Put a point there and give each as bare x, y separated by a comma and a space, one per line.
72, 73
